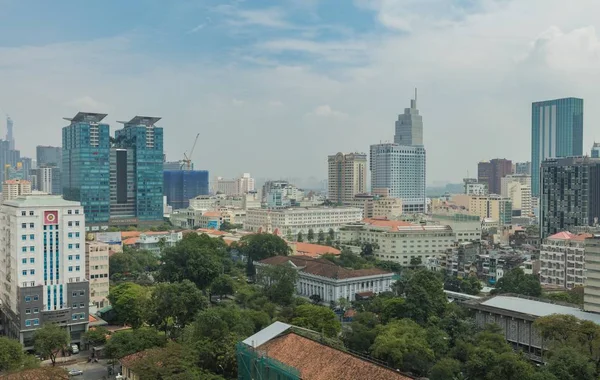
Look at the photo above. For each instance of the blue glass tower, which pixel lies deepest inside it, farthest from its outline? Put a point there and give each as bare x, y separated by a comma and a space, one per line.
556, 131
145, 140
183, 185
86, 167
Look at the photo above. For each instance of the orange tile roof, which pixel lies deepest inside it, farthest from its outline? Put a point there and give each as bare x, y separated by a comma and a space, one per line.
212, 213
129, 234
130, 241
211, 232
323, 267
91, 319
316, 361
315, 250
384, 222
566, 235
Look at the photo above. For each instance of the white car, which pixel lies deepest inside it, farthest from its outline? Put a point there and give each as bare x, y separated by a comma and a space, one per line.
75, 372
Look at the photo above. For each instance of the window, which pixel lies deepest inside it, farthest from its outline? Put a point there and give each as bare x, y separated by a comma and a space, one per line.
77, 256
77, 268
36, 310
23, 213
77, 245
23, 225
31, 225
36, 322
74, 317
70, 257
36, 297
27, 311
70, 224
70, 246
32, 271
70, 234
69, 212
28, 322
27, 299
76, 234
82, 316
31, 248
30, 213
82, 305
23, 237
77, 224
24, 273
82, 292
74, 306
76, 211
32, 260
71, 270
31, 236
23, 261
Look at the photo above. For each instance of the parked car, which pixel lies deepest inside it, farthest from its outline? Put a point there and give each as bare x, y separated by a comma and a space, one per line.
74, 349
75, 372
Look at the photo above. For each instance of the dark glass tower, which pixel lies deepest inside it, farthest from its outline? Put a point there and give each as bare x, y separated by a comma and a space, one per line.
556, 131
86, 165
183, 185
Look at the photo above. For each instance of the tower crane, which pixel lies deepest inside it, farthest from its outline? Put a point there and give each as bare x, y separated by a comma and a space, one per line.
187, 160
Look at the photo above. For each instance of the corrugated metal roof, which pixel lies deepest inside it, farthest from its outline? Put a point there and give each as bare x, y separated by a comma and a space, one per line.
266, 334
538, 308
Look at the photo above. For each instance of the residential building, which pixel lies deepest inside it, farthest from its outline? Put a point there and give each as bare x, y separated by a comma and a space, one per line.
245, 184
43, 271
282, 351
226, 186
48, 179
562, 258
473, 187
330, 281
97, 273
182, 185
460, 260
466, 227
48, 155
591, 291
492, 206
347, 176
399, 241
491, 172
385, 207
154, 241
282, 195
595, 153
398, 169
523, 168
570, 194
522, 179
276, 199
517, 187
269, 185
14, 188
556, 131
293, 220
86, 165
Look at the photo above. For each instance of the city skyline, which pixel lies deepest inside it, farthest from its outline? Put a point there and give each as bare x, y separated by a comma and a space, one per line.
263, 70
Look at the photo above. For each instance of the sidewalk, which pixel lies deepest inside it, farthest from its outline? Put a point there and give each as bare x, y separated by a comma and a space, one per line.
82, 356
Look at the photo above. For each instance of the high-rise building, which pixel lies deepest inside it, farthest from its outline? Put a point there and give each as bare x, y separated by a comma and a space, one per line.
347, 176
562, 258
43, 267
86, 166
47, 179
9, 133
245, 184
13, 188
523, 168
182, 185
490, 173
172, 165
96, 272
144, 141
591, 290
398, 169
570, 194
473, 187
48, 155
595, 153
556, 131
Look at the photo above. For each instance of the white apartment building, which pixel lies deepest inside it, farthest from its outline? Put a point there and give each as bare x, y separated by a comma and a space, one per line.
293, 220
476, 189
13, 188
466, 227
332, 282
400, 241
235, 186
347, 176
96, 257
523, 179
245, 184
152, 241
517, 187
562, 260
591, 291
42, 266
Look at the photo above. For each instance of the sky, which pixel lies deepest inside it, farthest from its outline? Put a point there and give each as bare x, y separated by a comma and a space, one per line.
274, 87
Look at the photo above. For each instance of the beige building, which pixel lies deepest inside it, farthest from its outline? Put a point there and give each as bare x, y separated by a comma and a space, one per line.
347, 176
591, 296
234, 186
13, 188
377, 206
96, 258
517, 187
494, 207
562, 260
400, 241
523, 179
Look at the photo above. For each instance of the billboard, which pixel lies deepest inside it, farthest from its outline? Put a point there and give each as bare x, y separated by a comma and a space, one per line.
213, 225
50, 217
109, 237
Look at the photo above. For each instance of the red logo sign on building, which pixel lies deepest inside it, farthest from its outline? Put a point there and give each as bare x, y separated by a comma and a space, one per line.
50, 217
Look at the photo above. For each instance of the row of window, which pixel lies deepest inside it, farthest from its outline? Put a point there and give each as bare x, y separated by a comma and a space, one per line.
32, 322
70, 224
31, 271
35, 297
77, 316
35, 311
81, 293
81, 305
31, 260
77, 268
31, 213
70, 234
70, 257
102, 275
24, 213
24, 225
31, 249
31, 237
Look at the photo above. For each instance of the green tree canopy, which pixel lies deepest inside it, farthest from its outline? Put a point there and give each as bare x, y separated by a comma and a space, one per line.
311, 235
300, 238
223, 285
130, 302
96, 336
11, 354
278, 283
516, 281
50, 339
264, 245
318, 318
131, 263
123, 343
174, 305
425, 296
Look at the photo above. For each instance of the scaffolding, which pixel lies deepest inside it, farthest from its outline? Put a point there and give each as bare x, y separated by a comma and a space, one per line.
256, 365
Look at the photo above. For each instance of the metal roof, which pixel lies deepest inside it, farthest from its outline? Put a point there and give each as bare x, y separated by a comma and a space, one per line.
266, 334
537, 308
142, 120
87, 116
44, 200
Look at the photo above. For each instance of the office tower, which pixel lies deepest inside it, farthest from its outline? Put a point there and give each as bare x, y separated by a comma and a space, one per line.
347, 176
47, 180
398, 169
245, 184
122, 187
9, 133
556, 131
235, 186
13, 188
595, 150
523, 168
48, 155
172, 165
183, 185
144, 141
26, 165
570, 194
86, 166
43, 272
491, 172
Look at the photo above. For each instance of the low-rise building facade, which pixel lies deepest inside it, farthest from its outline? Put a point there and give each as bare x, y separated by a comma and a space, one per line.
96, 256
562, 260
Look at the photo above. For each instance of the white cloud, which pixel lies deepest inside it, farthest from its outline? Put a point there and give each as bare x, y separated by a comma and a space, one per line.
88, 104
327, 111
268, 17
196, 29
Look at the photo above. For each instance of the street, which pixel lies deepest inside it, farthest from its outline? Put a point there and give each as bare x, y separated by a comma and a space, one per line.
91, 371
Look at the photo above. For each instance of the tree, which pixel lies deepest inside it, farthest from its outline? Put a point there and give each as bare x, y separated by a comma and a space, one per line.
130, 303
198, 258
11, 354
278, 283
566, 363
131, 263
311, 235
50, 339
516, 281
415, 261
258, 247
425, 296
226, 226
316, 299
362, 333
96, 336
321, 237
223, 285
445, 369
318, 318
299, 239
174, 305
393, 308
124, 343
368, 249
331, 234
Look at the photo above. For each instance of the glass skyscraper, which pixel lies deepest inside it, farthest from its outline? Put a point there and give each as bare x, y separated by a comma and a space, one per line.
183, 185
145, 140
556, 131
86, 165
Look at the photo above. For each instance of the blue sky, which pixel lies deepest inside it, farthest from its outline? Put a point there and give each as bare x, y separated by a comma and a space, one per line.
276, 86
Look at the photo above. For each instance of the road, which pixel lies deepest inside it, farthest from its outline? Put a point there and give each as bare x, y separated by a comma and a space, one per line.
91, 371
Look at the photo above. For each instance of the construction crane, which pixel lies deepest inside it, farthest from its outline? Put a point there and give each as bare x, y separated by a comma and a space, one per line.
187, 160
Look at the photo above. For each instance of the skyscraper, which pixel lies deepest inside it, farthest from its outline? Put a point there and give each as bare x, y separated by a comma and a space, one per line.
523, 168
86, 166
48, 155
9, 133
183, 185
556, 131
570, 194
491, 173
595, 153
398, 169
347, 176
144, 140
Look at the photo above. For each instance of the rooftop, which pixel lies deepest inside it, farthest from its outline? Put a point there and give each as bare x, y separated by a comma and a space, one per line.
315, 250
142, 120
566, 235
39, 200
323, 267
86, 116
